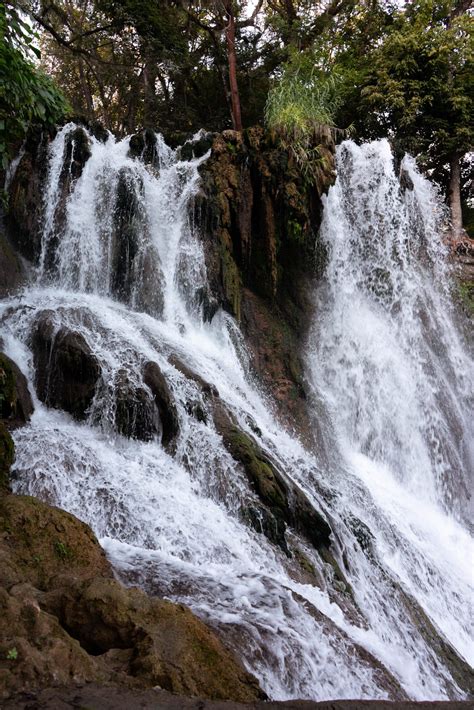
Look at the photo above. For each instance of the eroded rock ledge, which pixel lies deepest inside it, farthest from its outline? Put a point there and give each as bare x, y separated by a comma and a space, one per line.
100, 697
64, 619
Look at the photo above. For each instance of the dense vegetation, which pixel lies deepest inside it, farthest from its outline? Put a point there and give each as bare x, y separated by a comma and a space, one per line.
369, 67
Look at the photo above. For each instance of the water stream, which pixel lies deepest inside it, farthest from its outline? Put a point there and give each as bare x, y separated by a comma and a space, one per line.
384, 358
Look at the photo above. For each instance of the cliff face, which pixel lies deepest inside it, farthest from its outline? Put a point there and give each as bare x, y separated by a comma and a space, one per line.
259, 216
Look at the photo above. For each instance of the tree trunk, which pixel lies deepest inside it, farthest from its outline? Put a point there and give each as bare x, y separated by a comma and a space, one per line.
454, 195
232, 59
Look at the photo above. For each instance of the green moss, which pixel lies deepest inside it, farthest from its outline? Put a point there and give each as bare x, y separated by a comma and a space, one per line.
295, 231
231, 281
62, 550
258, 469
466, 292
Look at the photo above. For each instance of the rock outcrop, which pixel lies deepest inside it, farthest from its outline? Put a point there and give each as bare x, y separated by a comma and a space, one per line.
66, 370
259, 216
65, 620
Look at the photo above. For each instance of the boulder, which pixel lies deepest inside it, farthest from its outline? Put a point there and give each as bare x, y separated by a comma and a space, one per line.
64, 619
16, 406
167, 645
136, 415
282, 498
146, 410
143, 145
43, 545
66, 371
163, 399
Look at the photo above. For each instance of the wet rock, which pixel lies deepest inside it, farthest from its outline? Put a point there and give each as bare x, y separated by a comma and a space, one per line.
77, 151
196, 148
406, 183
136, 415
7, 456
206, 388
171, 647
270, 524
282, 498
16, 406
136, 274
66, 370
12, 272
23, 219
208, 304
163, 399
143, 145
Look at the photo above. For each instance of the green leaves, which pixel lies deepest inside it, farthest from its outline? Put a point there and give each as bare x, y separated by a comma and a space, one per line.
27, 95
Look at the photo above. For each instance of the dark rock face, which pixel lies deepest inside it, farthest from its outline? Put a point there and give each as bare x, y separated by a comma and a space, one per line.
26, 191
163, 400
284, 503
143, 146
23, 219
12, 273
196, 148
259, 218
136, 415
66, 371
76, 153
135, 277
16, 406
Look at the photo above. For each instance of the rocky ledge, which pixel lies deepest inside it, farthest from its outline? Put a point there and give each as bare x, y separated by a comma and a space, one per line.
101, 697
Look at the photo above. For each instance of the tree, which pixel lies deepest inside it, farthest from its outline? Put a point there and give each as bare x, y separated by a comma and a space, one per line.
27, 95
419, 88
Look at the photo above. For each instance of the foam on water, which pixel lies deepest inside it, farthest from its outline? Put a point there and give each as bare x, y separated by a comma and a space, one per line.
385, 359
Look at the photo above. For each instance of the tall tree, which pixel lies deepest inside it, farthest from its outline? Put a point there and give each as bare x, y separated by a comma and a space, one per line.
419, 87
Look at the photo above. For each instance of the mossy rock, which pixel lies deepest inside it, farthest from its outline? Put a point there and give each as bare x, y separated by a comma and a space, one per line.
284, 500
40, 543
258, 469
167, 645
7, 456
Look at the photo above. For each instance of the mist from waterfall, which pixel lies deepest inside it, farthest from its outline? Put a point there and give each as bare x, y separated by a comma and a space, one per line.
384, 359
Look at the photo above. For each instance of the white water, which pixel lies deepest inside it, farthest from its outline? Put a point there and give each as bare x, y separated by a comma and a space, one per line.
385, 359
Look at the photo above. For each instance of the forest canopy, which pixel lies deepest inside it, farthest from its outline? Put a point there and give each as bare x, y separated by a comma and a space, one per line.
369, 69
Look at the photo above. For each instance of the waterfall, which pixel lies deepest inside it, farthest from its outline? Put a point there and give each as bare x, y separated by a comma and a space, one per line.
123, 268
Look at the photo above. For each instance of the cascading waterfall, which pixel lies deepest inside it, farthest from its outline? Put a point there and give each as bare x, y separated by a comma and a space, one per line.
384, 357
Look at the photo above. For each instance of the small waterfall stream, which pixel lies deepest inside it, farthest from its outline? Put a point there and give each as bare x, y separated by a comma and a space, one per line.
385, 360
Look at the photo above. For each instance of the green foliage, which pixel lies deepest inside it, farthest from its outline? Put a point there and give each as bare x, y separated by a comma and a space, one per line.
303, 99
12, 654
420, 82
300, 112
62, 550
27, 95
